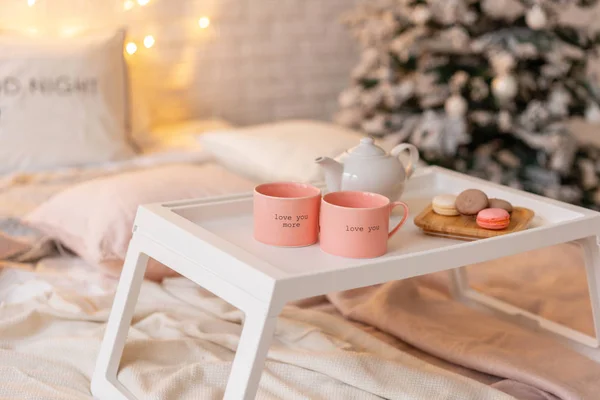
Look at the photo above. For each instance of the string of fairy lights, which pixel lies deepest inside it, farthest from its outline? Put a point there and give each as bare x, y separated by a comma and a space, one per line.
131, 47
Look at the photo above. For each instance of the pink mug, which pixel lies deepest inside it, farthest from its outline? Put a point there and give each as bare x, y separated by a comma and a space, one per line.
356, 224
286, 214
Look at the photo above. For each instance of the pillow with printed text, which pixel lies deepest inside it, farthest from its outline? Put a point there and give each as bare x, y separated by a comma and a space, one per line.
63, 101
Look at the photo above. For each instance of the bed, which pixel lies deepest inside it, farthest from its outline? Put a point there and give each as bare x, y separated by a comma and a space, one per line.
401, 340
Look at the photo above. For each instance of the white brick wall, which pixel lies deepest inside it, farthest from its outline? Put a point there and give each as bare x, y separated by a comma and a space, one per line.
259, 60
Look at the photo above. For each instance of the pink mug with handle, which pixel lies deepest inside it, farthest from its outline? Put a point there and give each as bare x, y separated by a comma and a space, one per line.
356, 224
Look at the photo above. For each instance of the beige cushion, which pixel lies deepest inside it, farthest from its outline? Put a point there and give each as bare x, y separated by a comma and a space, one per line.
63, 101
95, 219
282, 151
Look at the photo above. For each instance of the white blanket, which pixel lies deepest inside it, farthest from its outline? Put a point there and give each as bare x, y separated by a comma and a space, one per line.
181, 345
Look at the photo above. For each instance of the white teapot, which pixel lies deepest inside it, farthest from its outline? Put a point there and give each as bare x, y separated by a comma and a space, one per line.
367, 167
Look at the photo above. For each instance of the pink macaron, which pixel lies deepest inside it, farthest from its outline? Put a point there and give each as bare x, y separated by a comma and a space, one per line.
493, 218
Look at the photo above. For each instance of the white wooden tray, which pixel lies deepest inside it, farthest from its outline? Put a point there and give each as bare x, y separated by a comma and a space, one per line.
230, 220
210, 242
307, 271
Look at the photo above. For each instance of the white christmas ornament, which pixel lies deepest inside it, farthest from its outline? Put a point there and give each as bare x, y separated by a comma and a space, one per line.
421, 15
455, 106
536, 18
504, 87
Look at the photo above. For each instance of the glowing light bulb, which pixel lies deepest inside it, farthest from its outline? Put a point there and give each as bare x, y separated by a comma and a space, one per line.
131, 48
128, 5
143, 2
204, 22
31, 3
149, 41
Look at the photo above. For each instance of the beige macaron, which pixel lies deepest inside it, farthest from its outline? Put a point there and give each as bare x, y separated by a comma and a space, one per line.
445, 204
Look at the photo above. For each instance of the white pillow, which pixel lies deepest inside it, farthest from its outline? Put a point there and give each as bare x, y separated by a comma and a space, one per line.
282, 151
63, 101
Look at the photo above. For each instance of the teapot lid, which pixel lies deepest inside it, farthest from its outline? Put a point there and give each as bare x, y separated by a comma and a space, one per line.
367, 148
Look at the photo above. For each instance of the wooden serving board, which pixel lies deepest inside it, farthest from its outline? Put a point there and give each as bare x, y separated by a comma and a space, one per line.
465, 228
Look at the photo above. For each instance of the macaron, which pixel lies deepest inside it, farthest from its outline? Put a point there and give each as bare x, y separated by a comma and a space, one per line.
493, 218
471, 201
444, 204
499, 203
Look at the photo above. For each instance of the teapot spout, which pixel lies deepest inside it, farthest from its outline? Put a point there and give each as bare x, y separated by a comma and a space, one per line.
333, 173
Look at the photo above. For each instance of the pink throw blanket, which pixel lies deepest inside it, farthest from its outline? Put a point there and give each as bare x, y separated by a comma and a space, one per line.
550, 282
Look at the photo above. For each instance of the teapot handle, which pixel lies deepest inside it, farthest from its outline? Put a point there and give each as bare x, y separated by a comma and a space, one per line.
413, 153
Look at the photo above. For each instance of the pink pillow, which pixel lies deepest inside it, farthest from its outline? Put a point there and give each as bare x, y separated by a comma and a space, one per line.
94, 219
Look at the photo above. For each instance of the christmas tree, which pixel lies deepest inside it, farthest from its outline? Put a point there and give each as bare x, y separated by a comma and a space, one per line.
482, 87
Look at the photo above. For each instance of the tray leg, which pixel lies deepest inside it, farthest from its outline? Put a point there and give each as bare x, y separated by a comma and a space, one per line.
459, 282
257, 332
590, 247
591, 255
105, 385
249, 359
